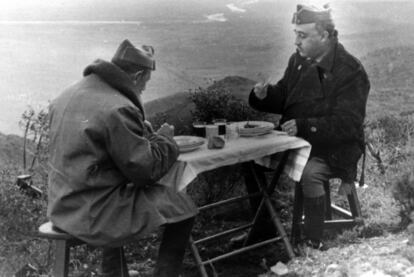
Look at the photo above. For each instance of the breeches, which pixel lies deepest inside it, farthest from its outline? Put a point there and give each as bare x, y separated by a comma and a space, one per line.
315, 174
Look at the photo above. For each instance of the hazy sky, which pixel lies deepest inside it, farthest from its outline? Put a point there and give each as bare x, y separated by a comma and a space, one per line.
17, 10
196, 40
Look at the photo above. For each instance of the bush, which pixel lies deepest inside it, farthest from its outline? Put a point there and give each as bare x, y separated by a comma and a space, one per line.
403, 191
393, 135
218, 102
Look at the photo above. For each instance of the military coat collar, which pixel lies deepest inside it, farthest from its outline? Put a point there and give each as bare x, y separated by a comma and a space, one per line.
116, 78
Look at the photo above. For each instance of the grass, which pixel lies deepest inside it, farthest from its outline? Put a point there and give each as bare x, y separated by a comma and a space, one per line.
19, 246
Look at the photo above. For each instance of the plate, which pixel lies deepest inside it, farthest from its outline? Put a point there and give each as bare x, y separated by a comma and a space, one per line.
255, 134
255, 128
188, 143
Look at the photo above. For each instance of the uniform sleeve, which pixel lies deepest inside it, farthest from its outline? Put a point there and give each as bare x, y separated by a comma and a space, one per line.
346, 119
276, 94
141, 156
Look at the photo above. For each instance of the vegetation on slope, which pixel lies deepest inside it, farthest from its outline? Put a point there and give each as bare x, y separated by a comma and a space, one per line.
389, 129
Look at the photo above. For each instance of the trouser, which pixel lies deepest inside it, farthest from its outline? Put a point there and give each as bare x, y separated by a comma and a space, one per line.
315, 174
170, 253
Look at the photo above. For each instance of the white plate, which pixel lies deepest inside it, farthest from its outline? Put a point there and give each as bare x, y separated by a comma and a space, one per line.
188, 143
260, 128
188, 149
255, 134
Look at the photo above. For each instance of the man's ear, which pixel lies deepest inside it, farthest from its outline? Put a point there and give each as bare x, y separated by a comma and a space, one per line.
325, 35
138, 75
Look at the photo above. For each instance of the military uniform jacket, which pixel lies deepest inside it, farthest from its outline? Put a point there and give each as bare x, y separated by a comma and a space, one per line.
328, 100
104, 162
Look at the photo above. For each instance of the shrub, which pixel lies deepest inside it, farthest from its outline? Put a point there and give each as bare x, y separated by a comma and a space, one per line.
393, 135
218, 102
403, 191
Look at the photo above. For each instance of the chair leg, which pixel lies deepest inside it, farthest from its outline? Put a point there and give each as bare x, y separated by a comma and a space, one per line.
61, 265
354, 203
196, 255
328, 210
297, 215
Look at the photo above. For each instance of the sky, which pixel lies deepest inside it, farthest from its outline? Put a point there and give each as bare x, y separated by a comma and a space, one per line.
32, 54
35, 10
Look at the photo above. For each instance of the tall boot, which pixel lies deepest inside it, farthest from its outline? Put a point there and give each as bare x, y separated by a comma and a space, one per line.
314, 210
172, 249
113, 262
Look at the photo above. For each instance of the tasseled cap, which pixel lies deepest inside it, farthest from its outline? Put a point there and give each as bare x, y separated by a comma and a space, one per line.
131, 55
310, 14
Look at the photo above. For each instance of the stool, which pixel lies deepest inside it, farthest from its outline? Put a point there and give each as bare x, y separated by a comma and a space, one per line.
349, 218
63, 243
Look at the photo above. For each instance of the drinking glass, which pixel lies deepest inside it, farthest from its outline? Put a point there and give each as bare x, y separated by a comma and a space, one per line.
199, 128
221, 123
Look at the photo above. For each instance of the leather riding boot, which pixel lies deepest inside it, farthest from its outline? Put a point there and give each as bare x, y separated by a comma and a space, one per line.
314, 210
172, 249
113, 262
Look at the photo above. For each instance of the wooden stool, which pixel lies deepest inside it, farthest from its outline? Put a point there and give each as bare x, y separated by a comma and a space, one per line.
348, 220
63, 243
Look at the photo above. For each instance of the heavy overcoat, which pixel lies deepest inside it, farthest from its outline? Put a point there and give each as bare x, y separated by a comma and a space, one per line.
104, 162
328, 100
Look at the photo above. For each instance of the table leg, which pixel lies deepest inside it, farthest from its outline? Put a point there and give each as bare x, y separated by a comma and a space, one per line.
266, 191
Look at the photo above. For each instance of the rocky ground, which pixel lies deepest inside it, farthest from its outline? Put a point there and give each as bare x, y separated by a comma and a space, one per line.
389, 255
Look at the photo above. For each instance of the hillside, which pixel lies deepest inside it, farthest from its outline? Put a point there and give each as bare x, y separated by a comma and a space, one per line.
11, 150
391, 72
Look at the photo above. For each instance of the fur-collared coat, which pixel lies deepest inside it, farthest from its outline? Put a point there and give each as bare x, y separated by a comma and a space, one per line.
328, 100
104, 162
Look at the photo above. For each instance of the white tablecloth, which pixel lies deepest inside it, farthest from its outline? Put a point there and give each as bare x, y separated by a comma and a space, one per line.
242, 149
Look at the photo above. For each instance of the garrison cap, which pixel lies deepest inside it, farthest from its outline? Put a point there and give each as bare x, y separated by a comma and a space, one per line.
128, 54
310, 14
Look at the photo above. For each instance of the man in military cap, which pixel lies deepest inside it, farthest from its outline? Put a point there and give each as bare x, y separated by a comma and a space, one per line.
322, 98
105, 161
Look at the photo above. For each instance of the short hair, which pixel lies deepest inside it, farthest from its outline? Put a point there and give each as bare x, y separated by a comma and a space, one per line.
326, 25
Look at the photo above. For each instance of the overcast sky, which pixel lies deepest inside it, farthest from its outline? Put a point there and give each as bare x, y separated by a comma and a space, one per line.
22, 10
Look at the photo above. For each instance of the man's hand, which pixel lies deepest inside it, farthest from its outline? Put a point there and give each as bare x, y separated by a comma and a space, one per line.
290, 127
148, 125
166, 130
260, 90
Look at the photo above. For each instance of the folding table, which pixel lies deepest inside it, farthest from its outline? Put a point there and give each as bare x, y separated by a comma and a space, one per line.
275, 150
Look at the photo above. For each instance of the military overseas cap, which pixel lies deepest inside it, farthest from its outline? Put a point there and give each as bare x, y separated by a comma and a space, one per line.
128, 54
310, 14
